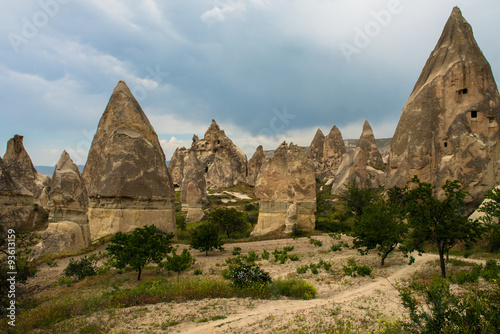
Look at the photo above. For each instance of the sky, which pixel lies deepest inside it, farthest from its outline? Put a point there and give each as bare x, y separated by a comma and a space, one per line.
265, 70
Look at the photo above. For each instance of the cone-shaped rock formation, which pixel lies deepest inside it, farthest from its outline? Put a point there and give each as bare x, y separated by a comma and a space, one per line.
194, 189
449, 127
126, 176
255, 164
369, 146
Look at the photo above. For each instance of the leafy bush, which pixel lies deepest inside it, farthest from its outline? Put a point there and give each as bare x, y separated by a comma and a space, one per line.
178, 263
236, 251
491, 270
297, 232
205, 238
51, 263
180, 221
353, 269
316, 242
244, 275
265, 255
293, 257
336, 247
337, 223
302, 269
198, 272
282, 255
79, 269
293, 288
252, 256
250, 207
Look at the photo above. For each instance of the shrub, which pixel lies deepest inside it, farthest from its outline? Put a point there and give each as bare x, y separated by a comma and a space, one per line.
293, 288
302, 269
236, 250
353, 269
178, 263
316, 242
246, 275
293, 257
252, 256
265, 255
205, 238
79, 269
491, 270
198, 272
297, 232
250, 207
51, 263
336, 247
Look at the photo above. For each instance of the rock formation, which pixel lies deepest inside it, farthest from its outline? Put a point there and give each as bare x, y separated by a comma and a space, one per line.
286, 189
16, 202
325, 153
126, 176
18, 162
176, 165
68, 230
225, 165
369, 146
255, 164
194, 189
355, 165
449, 126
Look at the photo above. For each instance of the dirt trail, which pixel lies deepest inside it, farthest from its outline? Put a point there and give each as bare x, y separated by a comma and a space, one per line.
244, 321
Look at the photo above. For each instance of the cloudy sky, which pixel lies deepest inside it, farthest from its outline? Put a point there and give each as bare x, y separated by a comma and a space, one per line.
265, 70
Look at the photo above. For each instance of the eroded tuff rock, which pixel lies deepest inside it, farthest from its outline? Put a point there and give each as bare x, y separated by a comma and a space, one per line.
286, 189
176, 165
355, 166
16, 202
224, 164
255, 164
18, 162
325, 153
126, 176
68, 230
369, 146
449, 126
194, 189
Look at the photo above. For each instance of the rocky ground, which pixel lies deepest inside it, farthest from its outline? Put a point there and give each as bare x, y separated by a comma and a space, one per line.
361, 303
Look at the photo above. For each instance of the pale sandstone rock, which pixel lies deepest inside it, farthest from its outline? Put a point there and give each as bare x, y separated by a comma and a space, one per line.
176, 165
193, 189
325, 153
369, 146
59, 238
286, 189
126, 176
449, 127
255, 164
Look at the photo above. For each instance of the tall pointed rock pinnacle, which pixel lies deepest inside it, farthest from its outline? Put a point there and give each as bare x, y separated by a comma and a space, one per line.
449, 126
369, 146
126, 174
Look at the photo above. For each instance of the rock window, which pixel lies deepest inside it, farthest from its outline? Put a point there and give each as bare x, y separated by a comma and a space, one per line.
445, 144
473, 114
464, 91
491, 121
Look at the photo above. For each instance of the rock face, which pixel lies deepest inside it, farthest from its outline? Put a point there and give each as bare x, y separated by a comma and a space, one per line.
18, 162
68, 229
369, 146
449, 127
286, 188
255, 164
355, 165
325, 153
224, 164
126, 176
194, 189
176, 165
16, 202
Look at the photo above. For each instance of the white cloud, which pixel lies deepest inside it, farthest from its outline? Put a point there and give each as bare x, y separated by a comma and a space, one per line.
219, 14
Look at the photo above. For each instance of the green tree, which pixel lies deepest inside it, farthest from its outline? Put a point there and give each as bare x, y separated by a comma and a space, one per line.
179, 263
492, 218
356, 198
441, 222
381, 225
228, 220
205, 238
138, 249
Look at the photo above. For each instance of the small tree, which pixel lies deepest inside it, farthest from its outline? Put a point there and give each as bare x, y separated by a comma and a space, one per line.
356, 198
381, 225
492, 218
179, 263
229, 220
138, 249
442, 222
205, 238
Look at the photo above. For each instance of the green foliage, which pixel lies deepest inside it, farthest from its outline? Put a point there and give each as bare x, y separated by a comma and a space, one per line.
252, 218
79, 269
381, 226
353, 269
337, 247
64, 281
228, 220
433, 308
246, 275
356, 198
236, 251
138, 249
314, 267
180, 221
302, 269
205, 238
51, 263
250, 207
198, 272
316, 242
282, 255
293, 288
298, 232
265, 255
337, 223
491, 220
15, 249
178, 263
440, 222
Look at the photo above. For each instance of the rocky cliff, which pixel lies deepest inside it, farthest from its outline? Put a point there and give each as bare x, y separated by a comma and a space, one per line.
194, 189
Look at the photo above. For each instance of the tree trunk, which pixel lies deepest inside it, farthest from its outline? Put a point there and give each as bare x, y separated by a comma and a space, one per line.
139, 274
387, 254
441, 259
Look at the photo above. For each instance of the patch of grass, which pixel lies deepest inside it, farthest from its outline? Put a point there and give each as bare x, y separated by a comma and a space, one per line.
293, 288
316, 242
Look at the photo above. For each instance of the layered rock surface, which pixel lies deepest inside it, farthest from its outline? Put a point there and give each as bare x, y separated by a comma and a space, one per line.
16, 202
369, 146
176, 165
286, 189
325, 153
68, 230
449, 126
18, 162
193, 189
126, 176
255, 164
